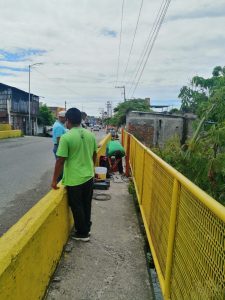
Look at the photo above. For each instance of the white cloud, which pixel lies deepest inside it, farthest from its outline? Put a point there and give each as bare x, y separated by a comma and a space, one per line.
81, 58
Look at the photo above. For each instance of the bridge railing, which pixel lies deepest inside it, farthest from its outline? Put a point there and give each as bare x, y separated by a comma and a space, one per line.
102, 147
185, 227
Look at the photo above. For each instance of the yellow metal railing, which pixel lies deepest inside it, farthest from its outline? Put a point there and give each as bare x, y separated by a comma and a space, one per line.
102, 147
185, 227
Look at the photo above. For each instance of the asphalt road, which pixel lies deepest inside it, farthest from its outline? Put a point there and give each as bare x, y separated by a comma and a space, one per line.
26, 168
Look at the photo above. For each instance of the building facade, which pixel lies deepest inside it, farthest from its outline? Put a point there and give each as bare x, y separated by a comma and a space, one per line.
14, 108
55, 110
154, 129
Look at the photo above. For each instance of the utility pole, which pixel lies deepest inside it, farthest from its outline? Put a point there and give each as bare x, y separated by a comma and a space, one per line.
109, 109
29, 112
124, 91
65, 105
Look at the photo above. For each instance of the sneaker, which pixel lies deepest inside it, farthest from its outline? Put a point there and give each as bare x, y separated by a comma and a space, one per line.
80, 237
75, 233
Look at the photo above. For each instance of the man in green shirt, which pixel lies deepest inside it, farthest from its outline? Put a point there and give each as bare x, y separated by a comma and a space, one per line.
76, 157
114, 148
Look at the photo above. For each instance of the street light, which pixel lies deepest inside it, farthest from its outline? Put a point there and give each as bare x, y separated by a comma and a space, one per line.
124, 91
29, 125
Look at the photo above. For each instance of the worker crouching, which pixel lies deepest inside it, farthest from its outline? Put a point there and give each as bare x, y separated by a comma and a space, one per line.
114, 153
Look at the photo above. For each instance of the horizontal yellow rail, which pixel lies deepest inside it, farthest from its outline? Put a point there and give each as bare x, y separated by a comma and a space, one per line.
31, 249
184, 225
10, 134
102, 147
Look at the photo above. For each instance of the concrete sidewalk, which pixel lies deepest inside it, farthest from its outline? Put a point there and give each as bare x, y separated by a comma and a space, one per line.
112, 265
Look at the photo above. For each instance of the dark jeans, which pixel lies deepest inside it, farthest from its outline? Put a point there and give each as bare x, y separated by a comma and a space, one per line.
118, 161
80, 198
55, 148
118, 157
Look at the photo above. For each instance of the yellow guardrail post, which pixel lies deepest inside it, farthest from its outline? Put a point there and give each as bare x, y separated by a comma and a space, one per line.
122, 137
143, 176
134, 156
171, 238
127, 154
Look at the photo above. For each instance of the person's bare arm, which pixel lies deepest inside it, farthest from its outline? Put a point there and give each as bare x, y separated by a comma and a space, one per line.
58, 139
58, 170
94, 157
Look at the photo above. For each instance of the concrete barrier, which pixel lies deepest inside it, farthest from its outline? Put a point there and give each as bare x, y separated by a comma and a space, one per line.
31, 249
10, 134
4, 127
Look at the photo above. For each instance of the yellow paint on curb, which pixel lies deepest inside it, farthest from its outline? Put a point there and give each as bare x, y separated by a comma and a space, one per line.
4, 127
10, 134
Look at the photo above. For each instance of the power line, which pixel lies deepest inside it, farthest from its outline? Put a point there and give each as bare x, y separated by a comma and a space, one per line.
135, 31
148, 43
145, 49
153, 42
121, 28
67, 89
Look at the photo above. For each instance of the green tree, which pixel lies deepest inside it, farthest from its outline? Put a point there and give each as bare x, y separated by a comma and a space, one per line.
174, 111
202, 158
123, 108
45, 116
198, 97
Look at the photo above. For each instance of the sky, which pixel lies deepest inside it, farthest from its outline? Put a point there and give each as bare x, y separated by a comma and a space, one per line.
77, 44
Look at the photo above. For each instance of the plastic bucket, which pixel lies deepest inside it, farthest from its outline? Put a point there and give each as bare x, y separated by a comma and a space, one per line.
100, 173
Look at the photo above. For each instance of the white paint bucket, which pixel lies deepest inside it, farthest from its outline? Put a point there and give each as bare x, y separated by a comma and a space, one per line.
100, 172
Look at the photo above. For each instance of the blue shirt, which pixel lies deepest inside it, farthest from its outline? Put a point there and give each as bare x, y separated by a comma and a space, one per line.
57, 131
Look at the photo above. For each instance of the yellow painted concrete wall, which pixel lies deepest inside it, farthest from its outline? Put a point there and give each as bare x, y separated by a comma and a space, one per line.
31, 249
10, 134
5, 127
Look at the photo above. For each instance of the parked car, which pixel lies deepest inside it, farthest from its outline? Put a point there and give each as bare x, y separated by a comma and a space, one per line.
96, 128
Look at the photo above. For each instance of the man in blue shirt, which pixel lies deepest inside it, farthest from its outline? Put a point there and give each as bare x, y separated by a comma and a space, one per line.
58, 130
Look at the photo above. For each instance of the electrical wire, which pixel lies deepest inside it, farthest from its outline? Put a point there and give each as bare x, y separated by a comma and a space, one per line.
67, 89
152, 45
121, 29
135, 31
145, 49
152, 38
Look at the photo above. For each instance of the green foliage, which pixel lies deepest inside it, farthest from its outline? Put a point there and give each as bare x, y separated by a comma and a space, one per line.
131, 189
45, 116
205, 163
202, 159
175, 111
203, 92
123, 108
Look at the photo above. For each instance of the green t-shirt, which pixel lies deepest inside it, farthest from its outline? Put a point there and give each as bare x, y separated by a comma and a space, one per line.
114, 146
78, 146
